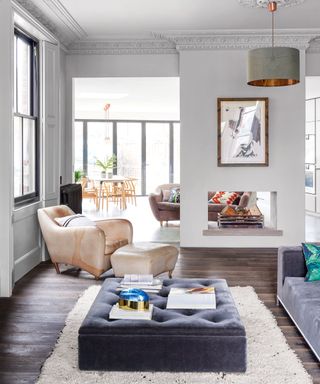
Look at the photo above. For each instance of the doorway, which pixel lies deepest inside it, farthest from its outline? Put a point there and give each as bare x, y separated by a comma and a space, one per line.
136, 121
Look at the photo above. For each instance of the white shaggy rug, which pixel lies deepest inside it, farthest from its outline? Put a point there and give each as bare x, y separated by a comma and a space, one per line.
270, 359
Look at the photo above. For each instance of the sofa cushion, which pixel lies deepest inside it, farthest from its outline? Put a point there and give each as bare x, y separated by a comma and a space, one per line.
174, 196
311, 254
166, 206
224, 198
166, 194
113, 244
302, 300
74, 221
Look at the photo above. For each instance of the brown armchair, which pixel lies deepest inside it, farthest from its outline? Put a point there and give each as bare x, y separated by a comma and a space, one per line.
160, 206
88, 248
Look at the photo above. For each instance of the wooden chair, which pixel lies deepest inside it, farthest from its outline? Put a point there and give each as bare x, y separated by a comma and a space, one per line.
89, 191
118, 195
106, 194
130, 190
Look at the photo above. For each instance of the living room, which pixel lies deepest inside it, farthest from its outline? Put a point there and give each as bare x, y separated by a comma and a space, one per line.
206, 47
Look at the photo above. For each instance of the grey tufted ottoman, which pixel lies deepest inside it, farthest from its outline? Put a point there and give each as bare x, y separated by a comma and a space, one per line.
174, 340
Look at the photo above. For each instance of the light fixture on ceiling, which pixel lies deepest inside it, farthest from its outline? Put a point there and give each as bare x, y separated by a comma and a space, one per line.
273, 66
106, 109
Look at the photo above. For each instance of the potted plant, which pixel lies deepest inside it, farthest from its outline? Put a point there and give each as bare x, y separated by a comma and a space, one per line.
107, 165
78, 173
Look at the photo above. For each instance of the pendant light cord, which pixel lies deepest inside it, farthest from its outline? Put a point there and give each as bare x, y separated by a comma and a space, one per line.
273, 26
272, 7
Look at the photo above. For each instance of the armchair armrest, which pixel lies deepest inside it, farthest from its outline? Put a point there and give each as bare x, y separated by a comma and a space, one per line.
116, 228
154, 199
291, 263
69, 244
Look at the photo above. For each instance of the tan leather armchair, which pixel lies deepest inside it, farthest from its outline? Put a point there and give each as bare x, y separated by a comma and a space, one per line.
88, 248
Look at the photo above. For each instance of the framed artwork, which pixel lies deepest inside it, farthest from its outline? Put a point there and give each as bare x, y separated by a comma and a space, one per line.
310, 178
243, 132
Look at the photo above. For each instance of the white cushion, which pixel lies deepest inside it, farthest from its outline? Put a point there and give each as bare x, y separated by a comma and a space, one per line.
74, 221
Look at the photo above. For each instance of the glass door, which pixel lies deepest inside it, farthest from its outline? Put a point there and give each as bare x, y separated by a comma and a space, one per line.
157, 155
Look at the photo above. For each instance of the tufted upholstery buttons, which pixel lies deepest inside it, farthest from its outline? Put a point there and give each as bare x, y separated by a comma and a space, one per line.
224, 319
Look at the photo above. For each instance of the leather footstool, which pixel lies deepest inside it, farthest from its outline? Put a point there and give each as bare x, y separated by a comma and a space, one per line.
144, 258
180, 340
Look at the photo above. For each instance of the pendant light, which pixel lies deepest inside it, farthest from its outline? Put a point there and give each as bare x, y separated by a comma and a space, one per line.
273, 66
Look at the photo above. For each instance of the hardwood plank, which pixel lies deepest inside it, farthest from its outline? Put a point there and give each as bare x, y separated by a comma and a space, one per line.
31, 320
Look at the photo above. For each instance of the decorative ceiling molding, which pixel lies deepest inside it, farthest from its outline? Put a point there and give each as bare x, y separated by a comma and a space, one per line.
66, 18
314, 46
54, 16
122, 47
238, 39
264, 3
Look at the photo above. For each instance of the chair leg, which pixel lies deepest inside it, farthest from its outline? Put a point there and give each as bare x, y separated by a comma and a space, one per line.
170, 274
161, 223
56, 266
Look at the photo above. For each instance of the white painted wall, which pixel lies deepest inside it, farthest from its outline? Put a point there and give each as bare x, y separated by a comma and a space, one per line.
62, 106
205, 76
313, 64
312, 86
19, 229
110, 66
6, 148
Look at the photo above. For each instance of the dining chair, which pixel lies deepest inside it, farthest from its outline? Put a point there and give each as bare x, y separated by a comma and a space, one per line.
106, 194
118, 194
130, 190
89, 191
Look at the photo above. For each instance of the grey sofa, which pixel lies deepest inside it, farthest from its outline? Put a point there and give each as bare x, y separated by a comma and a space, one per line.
163, 210
300, 299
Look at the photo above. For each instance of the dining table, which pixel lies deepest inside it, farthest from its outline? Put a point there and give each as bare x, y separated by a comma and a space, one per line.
115, 179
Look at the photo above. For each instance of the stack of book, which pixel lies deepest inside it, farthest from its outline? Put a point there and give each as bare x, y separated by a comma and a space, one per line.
232, 218
117, 313
145, 282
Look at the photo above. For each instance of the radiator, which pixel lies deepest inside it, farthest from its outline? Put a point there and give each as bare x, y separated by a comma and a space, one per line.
71, 195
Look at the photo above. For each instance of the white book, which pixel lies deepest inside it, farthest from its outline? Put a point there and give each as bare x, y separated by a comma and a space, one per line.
127, 314
155, 286
150, 289
192, 298
137, 279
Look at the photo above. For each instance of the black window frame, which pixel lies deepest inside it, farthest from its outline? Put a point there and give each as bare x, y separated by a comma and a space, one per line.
34, 112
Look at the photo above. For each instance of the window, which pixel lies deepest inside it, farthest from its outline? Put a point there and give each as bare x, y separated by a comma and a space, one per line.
148, 151
26, 91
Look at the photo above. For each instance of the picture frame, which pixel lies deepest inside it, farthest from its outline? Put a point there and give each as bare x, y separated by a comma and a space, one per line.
243, 132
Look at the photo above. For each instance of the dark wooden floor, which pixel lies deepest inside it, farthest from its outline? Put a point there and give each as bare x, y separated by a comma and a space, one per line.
30, 321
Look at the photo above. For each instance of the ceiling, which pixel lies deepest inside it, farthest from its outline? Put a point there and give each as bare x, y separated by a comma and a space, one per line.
80, 22
129, 98
101, 18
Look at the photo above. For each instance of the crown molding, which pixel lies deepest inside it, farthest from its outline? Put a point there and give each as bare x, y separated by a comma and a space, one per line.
54, 16
122, 47
66, 18
314, 46
57, 20
238, 39
264, 3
